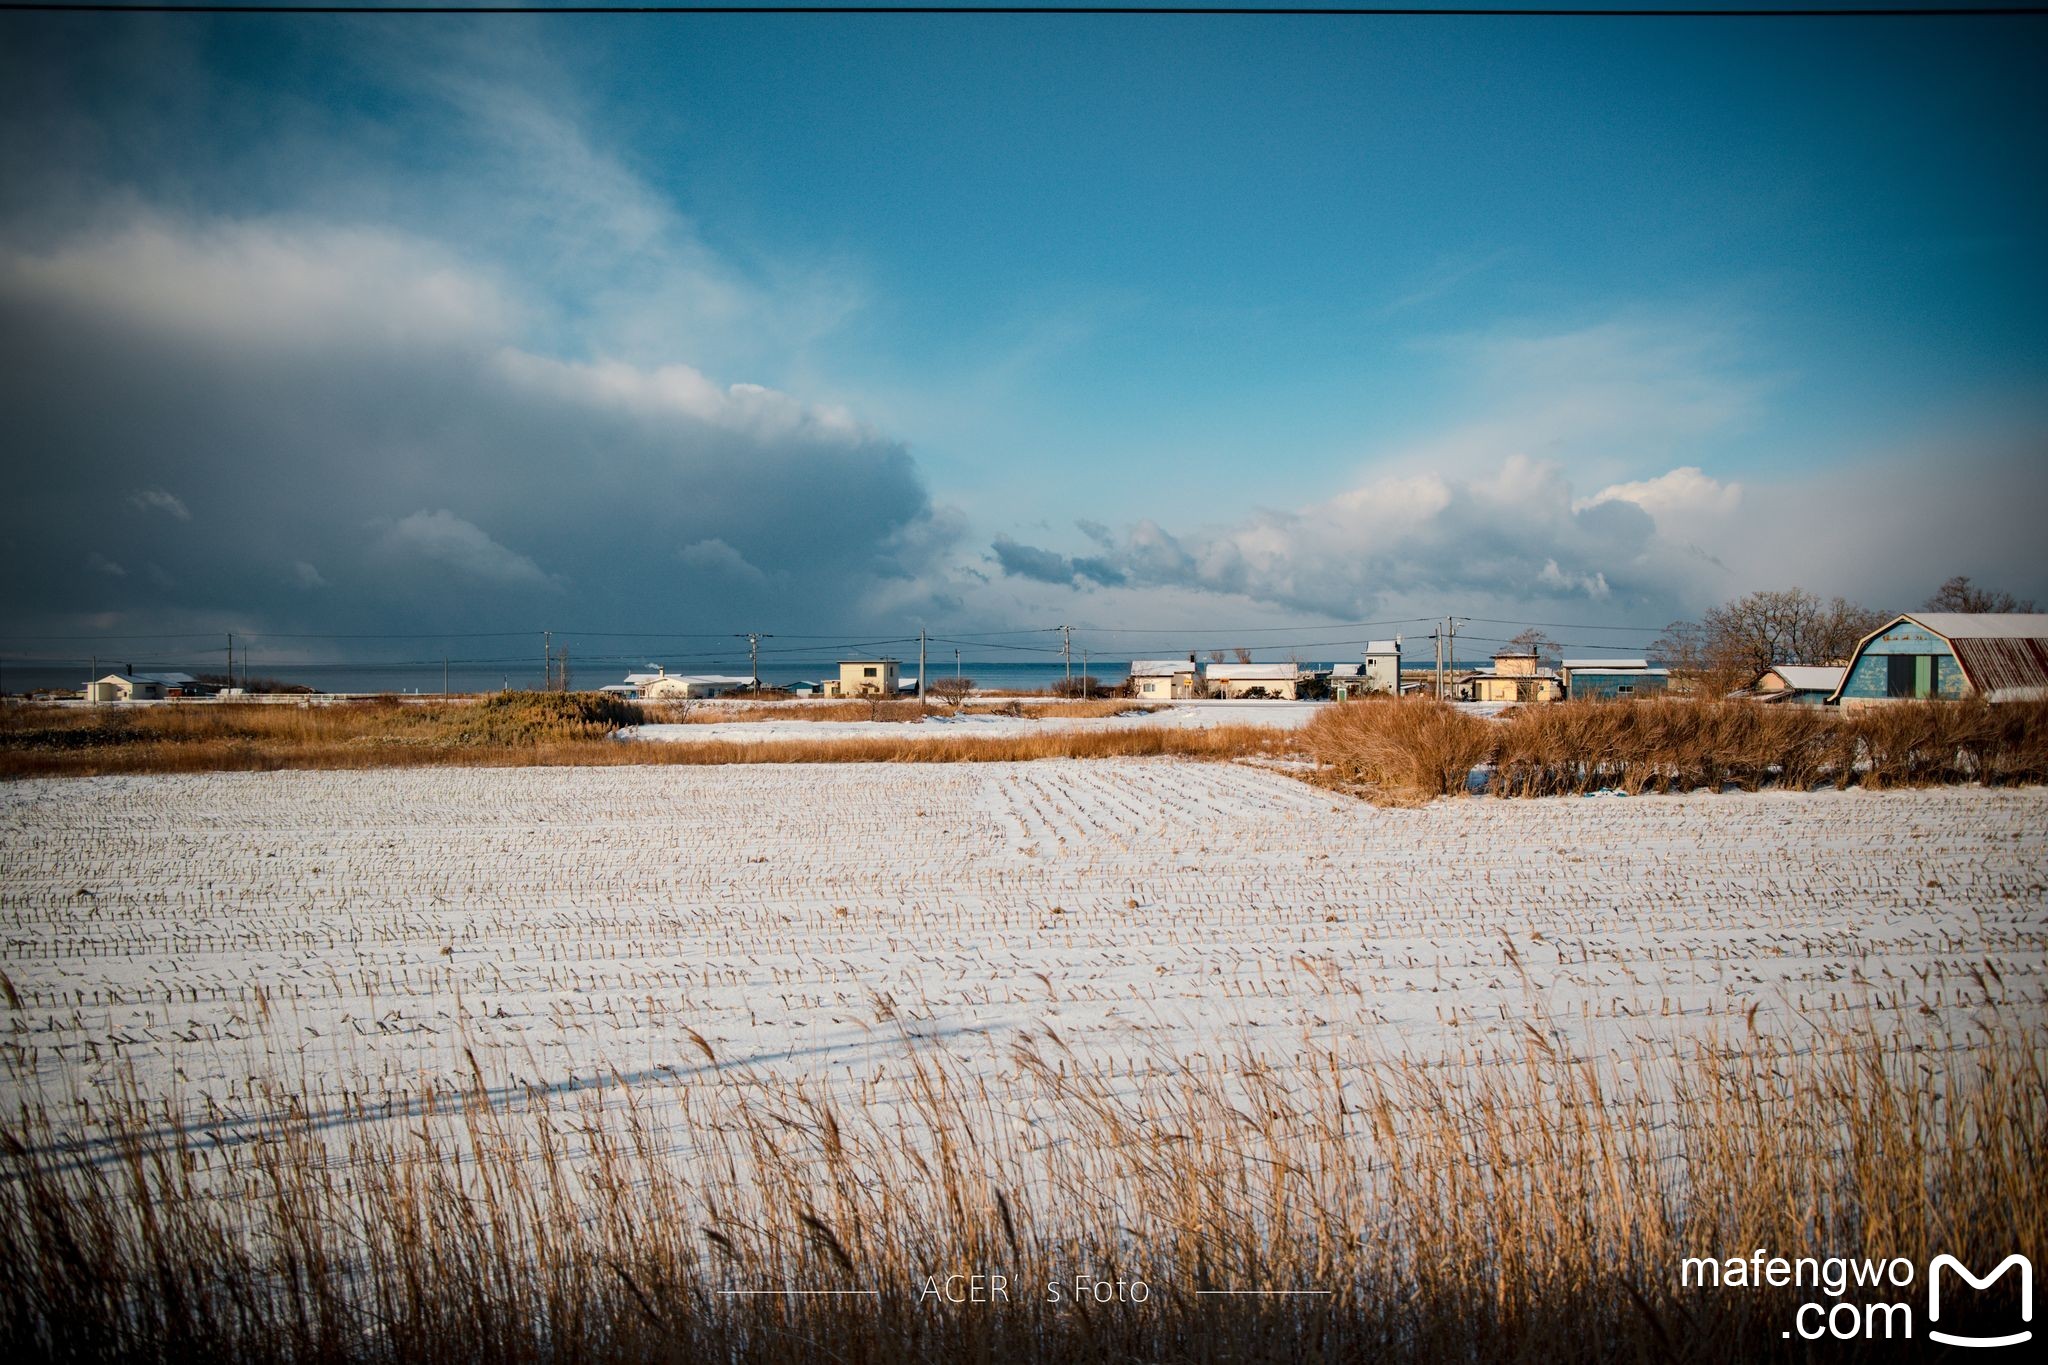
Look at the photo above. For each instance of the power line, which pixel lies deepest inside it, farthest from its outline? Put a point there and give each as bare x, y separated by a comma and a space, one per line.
1121, 11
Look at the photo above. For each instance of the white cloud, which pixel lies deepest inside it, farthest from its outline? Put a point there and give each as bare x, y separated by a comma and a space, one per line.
716, 557
262, 282
100, 564
157, 500
445, 539
305, 575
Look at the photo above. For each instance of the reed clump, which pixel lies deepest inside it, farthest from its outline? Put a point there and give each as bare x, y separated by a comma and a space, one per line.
1536, 1209
1411, 750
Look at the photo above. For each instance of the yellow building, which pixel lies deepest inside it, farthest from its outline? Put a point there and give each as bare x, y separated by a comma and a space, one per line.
864, 678
1516, 676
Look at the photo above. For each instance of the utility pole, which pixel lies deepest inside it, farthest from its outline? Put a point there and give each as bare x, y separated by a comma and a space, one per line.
1437, 636
231, 658
754, 639
1451, 624
920, 666
1067, 653
444, 677
547, 660
1084, 672
956, 663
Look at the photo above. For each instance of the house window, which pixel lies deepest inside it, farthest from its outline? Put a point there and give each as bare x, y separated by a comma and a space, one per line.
867, 672
1624, 689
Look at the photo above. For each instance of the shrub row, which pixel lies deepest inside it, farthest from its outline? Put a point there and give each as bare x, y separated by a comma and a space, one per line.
1418, 749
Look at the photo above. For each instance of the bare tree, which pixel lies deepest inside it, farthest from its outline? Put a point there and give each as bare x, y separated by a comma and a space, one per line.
951, 691
1244, 656
1738, 640
1215, 656
1960, 594
1532, 641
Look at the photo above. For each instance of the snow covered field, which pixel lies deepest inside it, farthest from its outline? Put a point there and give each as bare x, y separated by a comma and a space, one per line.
353, 933
1182, 715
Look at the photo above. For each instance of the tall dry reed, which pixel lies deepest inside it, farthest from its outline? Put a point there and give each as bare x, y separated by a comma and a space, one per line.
1531, 1211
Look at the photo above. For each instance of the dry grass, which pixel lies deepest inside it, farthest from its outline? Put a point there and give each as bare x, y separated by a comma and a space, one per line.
517, 730
1418, 749
1537, 1211
1401, 751
895, 709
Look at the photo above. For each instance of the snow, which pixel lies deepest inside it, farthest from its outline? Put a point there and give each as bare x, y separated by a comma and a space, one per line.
565, 924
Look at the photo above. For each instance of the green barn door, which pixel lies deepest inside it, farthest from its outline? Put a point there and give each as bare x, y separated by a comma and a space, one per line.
1923, 675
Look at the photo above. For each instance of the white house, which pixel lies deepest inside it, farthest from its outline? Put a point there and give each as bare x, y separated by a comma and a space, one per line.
125, 687
1248, 680
693, 686
1164, 679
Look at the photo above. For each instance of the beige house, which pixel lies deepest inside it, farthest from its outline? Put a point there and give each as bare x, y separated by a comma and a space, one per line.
1247, 680
864, 678
1808, 683
1516, 676
1165, 679
124, 687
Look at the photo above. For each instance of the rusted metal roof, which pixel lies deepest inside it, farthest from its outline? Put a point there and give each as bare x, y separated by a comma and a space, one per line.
2002, 665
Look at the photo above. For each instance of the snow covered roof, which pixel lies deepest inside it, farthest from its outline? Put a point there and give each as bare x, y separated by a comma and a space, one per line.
168, 679
1809, 677
1346, 670
1611, 665
642, 679
1267, 672
1383, 647
1983, 625
1161, 668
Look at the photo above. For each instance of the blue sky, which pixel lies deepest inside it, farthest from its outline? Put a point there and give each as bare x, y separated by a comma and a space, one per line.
1117, 321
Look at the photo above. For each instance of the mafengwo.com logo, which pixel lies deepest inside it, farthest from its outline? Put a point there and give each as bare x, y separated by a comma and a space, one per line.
2015, 1262
1865, 1317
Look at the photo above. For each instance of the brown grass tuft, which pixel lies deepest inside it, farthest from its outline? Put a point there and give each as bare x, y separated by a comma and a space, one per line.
1399, 751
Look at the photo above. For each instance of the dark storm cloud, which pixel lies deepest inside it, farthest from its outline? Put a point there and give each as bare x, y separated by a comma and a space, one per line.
290, 424
1044, 566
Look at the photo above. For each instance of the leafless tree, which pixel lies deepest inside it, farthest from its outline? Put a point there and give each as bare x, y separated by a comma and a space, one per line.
1738, 640
1244, 656
1960, 594
951, 691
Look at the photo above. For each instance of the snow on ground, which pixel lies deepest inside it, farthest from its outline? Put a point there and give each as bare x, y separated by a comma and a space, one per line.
1180, 715
568, 923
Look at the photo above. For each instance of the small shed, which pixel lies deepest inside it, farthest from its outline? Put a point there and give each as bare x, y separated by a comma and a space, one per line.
1613, 679
1799, 684
1999, 656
